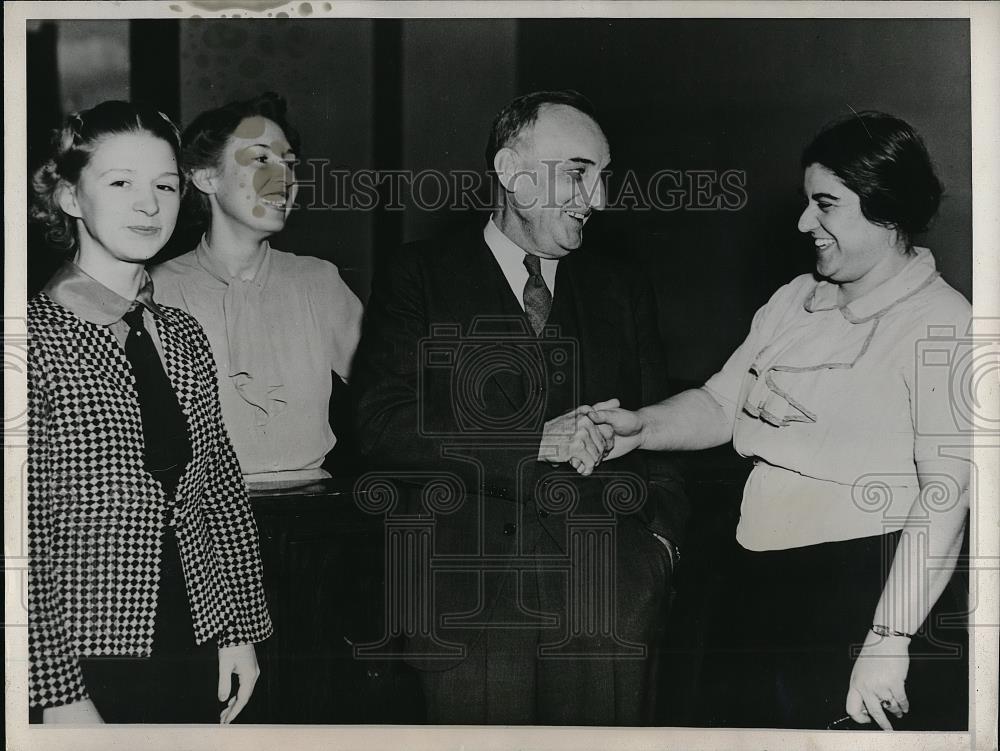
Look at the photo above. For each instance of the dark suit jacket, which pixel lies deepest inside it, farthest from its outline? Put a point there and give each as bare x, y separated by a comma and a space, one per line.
474, 417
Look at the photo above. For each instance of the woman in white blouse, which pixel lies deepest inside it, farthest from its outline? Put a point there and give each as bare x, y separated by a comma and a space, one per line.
841, 395
282, 326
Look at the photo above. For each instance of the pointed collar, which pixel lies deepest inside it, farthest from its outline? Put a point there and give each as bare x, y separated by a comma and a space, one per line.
918, 272
91, 301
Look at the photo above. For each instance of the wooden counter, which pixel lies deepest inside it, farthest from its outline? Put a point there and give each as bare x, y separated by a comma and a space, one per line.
323, 575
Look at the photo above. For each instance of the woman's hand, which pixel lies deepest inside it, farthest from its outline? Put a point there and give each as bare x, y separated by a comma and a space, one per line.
627, 427
78, 713
878, 681
242, 661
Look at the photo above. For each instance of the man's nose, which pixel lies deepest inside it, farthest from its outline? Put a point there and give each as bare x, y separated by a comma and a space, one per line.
598, 195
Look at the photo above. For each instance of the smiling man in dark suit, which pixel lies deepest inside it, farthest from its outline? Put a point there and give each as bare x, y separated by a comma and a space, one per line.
543, 592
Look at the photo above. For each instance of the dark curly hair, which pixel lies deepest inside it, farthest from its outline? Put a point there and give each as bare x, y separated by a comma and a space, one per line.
71, 149
884, 161
205, 139
522, 113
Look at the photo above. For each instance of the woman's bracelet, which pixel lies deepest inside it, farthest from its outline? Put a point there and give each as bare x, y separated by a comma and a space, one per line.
881, 630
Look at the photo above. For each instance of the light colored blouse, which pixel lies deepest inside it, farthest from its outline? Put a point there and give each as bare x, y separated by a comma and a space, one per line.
837, 404
277, 339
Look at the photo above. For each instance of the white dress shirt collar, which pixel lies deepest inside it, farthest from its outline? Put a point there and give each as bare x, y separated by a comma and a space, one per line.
510, 256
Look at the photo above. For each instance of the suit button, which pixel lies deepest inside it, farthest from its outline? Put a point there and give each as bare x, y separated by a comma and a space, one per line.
509, 528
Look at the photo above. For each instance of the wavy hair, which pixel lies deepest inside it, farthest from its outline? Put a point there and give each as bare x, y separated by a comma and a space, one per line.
71, 148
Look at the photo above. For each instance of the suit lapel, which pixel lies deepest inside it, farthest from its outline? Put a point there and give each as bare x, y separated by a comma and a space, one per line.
482, 304
596, 325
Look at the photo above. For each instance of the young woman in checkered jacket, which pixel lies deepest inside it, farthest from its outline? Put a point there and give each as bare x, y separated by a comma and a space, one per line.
145, 590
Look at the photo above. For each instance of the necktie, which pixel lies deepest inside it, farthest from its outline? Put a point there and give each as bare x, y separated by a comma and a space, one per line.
164, 426
537, 298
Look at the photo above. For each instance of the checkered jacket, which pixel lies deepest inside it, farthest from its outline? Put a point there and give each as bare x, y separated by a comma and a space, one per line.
95, 516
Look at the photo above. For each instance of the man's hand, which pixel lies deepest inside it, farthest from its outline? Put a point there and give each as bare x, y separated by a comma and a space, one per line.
574, 438
242, 661
878, 680
78, 713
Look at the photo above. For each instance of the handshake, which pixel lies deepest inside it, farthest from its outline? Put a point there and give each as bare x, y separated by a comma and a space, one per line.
589, 434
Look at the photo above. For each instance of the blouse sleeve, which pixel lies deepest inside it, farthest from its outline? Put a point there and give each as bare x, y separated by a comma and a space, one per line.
54, 674
940, 364
726, 386
344, 311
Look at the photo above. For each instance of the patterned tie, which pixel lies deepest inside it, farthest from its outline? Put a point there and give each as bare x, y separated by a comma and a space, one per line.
164, 426
537, 298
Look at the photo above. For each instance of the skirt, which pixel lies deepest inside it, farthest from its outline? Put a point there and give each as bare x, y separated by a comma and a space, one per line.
178, 682
782, 650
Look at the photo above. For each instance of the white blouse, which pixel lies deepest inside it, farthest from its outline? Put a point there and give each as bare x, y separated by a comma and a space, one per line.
838, 404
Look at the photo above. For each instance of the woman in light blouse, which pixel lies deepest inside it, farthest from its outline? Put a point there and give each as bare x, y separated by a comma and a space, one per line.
282, 326
859, 459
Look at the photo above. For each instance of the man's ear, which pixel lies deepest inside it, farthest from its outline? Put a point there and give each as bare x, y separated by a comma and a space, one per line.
66, 198
507, 166
205, 179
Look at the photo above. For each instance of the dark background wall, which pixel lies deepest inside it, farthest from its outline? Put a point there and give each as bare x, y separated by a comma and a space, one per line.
749, 95
325, 70
678, 94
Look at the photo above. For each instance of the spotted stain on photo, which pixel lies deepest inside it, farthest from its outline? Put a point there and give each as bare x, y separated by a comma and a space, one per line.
304, 9
271, 178
251, 127
221, 5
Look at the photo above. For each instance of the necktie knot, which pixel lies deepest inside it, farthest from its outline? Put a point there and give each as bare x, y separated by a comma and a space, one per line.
533, 264
134, 318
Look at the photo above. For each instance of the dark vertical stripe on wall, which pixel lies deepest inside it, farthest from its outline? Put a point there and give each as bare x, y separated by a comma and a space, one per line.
154, 52
387, 141
43, 106
43, 110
